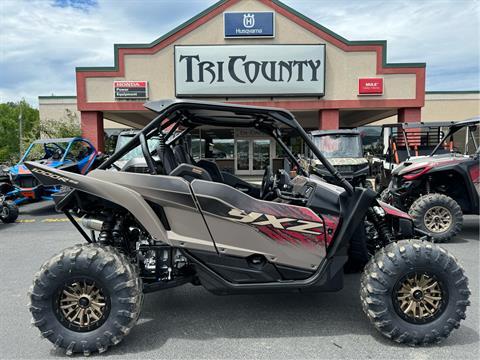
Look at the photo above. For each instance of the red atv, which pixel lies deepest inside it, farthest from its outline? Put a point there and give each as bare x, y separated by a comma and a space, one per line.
437, 190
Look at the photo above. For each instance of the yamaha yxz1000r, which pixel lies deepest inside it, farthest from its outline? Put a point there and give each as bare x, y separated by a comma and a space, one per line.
169, 220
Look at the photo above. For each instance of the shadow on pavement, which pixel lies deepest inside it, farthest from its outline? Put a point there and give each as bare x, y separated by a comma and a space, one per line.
193, 313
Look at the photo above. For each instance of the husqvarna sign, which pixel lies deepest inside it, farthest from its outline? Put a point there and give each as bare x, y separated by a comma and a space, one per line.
246, 70
249, 24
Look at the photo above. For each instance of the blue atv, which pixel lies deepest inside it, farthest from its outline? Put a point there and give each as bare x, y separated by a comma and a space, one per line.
76, 155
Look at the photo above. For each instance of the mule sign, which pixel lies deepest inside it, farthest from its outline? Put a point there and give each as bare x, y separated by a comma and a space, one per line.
370, 86
249, 24
246, 70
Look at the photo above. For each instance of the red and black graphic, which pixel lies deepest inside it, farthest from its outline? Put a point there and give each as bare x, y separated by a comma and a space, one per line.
280, 222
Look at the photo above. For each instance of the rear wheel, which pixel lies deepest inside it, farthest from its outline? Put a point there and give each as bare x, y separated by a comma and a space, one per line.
437, 214
414, 292
86, 298
8, 212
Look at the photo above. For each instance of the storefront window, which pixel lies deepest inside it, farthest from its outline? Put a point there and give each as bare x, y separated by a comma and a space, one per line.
223, 148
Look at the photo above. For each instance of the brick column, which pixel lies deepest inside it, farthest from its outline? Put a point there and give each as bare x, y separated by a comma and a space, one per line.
409, 115
328, 119
92, 128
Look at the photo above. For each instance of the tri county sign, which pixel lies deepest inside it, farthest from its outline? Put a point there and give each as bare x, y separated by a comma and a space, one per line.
246, 70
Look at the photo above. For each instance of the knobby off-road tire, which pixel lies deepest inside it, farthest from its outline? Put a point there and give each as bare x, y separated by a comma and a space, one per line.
106, 277
440, 208
394, 266
9, 212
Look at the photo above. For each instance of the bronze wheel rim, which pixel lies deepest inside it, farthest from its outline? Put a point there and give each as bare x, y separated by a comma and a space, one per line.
83, 305
419, 297
438, 219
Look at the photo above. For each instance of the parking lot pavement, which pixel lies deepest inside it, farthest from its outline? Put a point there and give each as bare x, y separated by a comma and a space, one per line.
189, 322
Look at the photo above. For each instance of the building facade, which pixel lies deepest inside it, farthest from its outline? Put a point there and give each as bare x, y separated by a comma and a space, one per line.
258, 52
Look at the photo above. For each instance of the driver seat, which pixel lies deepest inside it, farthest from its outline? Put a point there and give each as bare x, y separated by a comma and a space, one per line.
183, 156
172, 168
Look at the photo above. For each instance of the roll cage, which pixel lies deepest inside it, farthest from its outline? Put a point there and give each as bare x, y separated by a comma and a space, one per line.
471, 125
56, 143
177, 117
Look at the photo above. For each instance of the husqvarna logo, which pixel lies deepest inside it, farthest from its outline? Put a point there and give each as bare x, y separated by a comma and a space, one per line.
291, 224
54, 176
248, 20
249, 23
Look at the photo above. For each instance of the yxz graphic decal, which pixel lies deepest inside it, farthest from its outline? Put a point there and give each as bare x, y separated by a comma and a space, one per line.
298, 231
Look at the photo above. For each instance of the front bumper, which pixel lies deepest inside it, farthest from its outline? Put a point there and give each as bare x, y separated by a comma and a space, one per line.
19, 195
399, 190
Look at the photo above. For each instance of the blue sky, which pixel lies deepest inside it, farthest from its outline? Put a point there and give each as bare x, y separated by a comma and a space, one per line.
42, 41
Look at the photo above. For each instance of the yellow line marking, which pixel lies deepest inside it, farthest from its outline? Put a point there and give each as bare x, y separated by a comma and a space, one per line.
48, 220
55, 220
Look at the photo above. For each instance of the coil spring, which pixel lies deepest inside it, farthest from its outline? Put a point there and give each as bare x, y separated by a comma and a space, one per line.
161, 143
382, 227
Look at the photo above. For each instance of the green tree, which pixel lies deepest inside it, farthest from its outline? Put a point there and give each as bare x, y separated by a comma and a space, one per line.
67, 126
10, 115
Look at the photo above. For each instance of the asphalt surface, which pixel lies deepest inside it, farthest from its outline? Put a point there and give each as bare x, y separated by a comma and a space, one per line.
188, 322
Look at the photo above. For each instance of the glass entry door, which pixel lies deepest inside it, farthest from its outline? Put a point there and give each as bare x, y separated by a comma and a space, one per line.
252, 156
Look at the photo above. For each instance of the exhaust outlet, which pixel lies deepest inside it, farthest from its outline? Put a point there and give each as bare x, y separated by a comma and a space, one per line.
91, 223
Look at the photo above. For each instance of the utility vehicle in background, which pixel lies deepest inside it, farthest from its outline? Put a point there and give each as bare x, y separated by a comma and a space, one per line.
401, 142
343, 149
165, 223
439, 188
77, 155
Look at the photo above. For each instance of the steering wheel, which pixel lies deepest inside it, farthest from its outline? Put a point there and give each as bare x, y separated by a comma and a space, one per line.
267, 182
57, 154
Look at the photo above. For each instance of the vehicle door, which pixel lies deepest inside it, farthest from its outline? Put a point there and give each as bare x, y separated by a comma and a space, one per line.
242, 225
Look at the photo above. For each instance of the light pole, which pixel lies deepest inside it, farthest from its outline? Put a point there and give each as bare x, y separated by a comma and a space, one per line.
20, 131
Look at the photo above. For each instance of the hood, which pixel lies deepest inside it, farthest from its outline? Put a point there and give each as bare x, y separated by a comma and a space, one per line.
343, 161
427, 162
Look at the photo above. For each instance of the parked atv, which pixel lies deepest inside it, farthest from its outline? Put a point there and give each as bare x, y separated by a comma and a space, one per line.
168, 223
8, 211
344, 150
70, 154
437, 190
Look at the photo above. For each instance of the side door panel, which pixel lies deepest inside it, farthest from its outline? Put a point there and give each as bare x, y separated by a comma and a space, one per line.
241, 226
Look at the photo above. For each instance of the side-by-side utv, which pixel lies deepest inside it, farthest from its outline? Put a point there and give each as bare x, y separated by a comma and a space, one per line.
169, 221
439, 188
402, 142
344, 150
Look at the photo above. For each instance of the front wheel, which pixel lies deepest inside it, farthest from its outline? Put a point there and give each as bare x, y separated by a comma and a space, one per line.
414, 292
437, 214
8, 212
86, 298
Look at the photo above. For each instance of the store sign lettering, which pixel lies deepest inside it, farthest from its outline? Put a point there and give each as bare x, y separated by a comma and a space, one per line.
249, 24
249, 70
370, 86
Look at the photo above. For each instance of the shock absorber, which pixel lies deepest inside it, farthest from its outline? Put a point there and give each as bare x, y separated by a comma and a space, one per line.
381, 225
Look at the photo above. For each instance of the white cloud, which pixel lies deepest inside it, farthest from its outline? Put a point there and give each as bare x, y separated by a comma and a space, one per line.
40, 44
